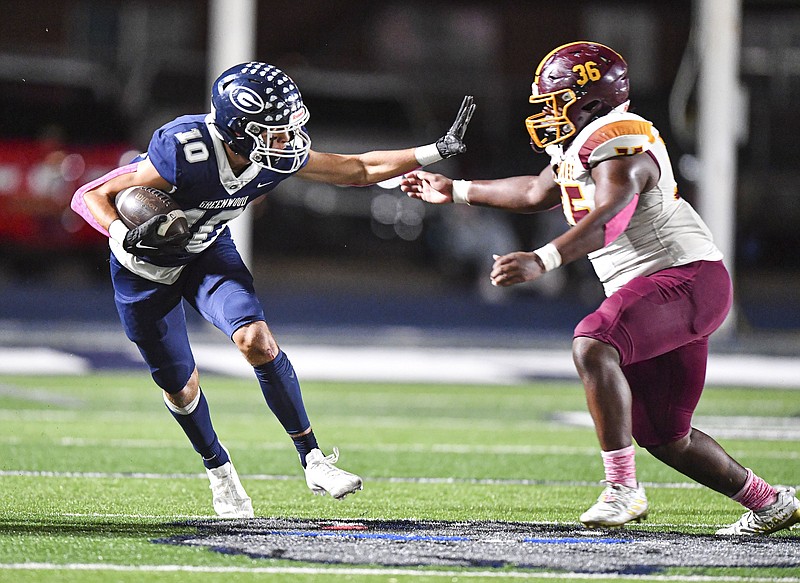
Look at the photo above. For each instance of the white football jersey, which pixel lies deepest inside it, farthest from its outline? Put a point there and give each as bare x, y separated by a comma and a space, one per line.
664, 230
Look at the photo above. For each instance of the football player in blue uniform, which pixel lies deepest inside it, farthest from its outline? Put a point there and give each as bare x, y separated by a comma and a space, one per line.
214, 165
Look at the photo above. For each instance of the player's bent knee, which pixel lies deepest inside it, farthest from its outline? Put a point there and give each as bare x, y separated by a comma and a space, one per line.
171, 379
589, 353
256, 343
169, 375
670, 451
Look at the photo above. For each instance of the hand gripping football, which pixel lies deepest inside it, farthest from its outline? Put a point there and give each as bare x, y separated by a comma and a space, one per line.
137, 204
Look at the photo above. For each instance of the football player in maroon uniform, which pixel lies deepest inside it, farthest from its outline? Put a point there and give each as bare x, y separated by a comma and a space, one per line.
642, 354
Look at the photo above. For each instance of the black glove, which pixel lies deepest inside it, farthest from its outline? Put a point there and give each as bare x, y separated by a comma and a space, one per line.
145, 239
452, 142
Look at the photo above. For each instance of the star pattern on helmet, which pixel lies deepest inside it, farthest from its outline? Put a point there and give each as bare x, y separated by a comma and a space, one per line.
283, 95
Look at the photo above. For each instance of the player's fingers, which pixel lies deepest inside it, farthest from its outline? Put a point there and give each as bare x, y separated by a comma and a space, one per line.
501, 261
498, 272
505, 270
467, 119
423, 175
463, 113
409, 181
464, 117
506, 278
501, 281
156, 220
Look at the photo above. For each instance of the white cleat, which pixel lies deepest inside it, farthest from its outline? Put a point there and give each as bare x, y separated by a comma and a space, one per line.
324, 477
783, 513
617, 505
228, 495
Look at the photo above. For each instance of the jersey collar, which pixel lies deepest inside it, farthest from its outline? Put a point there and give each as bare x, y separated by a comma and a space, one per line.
227, 178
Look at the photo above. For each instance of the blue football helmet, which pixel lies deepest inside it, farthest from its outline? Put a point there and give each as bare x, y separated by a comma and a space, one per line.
252, 105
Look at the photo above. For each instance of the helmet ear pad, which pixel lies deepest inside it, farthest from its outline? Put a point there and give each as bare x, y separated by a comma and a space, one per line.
587, 112
239, 141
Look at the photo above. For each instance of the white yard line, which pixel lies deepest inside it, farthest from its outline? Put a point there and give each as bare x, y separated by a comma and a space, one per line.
40, 361
389, 572
720, 426
282, 477
737, 428
386, 480
654, 526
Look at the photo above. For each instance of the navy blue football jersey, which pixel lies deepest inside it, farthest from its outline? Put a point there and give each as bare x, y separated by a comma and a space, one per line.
188, 156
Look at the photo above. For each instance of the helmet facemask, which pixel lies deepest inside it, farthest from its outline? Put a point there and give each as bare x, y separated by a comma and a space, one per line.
295, 149
550, 124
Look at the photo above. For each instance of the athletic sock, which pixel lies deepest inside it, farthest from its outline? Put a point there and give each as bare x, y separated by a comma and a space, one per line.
304, 444
281, 391
756, 493
620, 466
195, 420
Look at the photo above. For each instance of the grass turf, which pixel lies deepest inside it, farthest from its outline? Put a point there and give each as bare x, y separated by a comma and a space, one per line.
95, 469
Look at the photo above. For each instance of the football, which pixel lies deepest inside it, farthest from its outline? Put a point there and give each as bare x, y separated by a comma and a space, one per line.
137, 204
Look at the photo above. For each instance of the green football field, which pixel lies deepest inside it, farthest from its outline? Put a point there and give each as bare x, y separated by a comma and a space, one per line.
96, 476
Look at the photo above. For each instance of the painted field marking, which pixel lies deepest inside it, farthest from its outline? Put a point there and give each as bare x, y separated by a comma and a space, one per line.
213, 517
41, 361
281, 478
349, 571
171, 517
449, 448
383, 421
397, 537
40, 396
723, 426
445, 448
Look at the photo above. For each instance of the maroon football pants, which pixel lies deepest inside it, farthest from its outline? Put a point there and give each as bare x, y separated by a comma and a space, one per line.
660, 326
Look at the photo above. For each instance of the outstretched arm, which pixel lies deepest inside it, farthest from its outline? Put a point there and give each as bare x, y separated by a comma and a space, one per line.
618, 183
379, 165
521, 194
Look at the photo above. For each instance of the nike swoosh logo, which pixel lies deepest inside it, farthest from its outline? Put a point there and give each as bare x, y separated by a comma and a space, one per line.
140, 246
263, 184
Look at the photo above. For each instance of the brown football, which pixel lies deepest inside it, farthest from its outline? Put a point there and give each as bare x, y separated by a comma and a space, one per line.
137, 204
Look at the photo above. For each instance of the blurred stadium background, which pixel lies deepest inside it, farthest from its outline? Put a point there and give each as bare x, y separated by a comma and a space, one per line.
83, 83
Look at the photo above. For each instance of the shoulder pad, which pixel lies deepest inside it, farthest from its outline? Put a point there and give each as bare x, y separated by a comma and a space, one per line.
622, 137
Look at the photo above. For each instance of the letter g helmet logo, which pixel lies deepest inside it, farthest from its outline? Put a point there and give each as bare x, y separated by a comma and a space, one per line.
247, 100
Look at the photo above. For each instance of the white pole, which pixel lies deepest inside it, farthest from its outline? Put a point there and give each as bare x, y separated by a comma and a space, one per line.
232, 40
719, 122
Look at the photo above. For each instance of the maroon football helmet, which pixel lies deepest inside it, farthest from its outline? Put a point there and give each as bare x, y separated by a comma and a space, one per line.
574, 84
